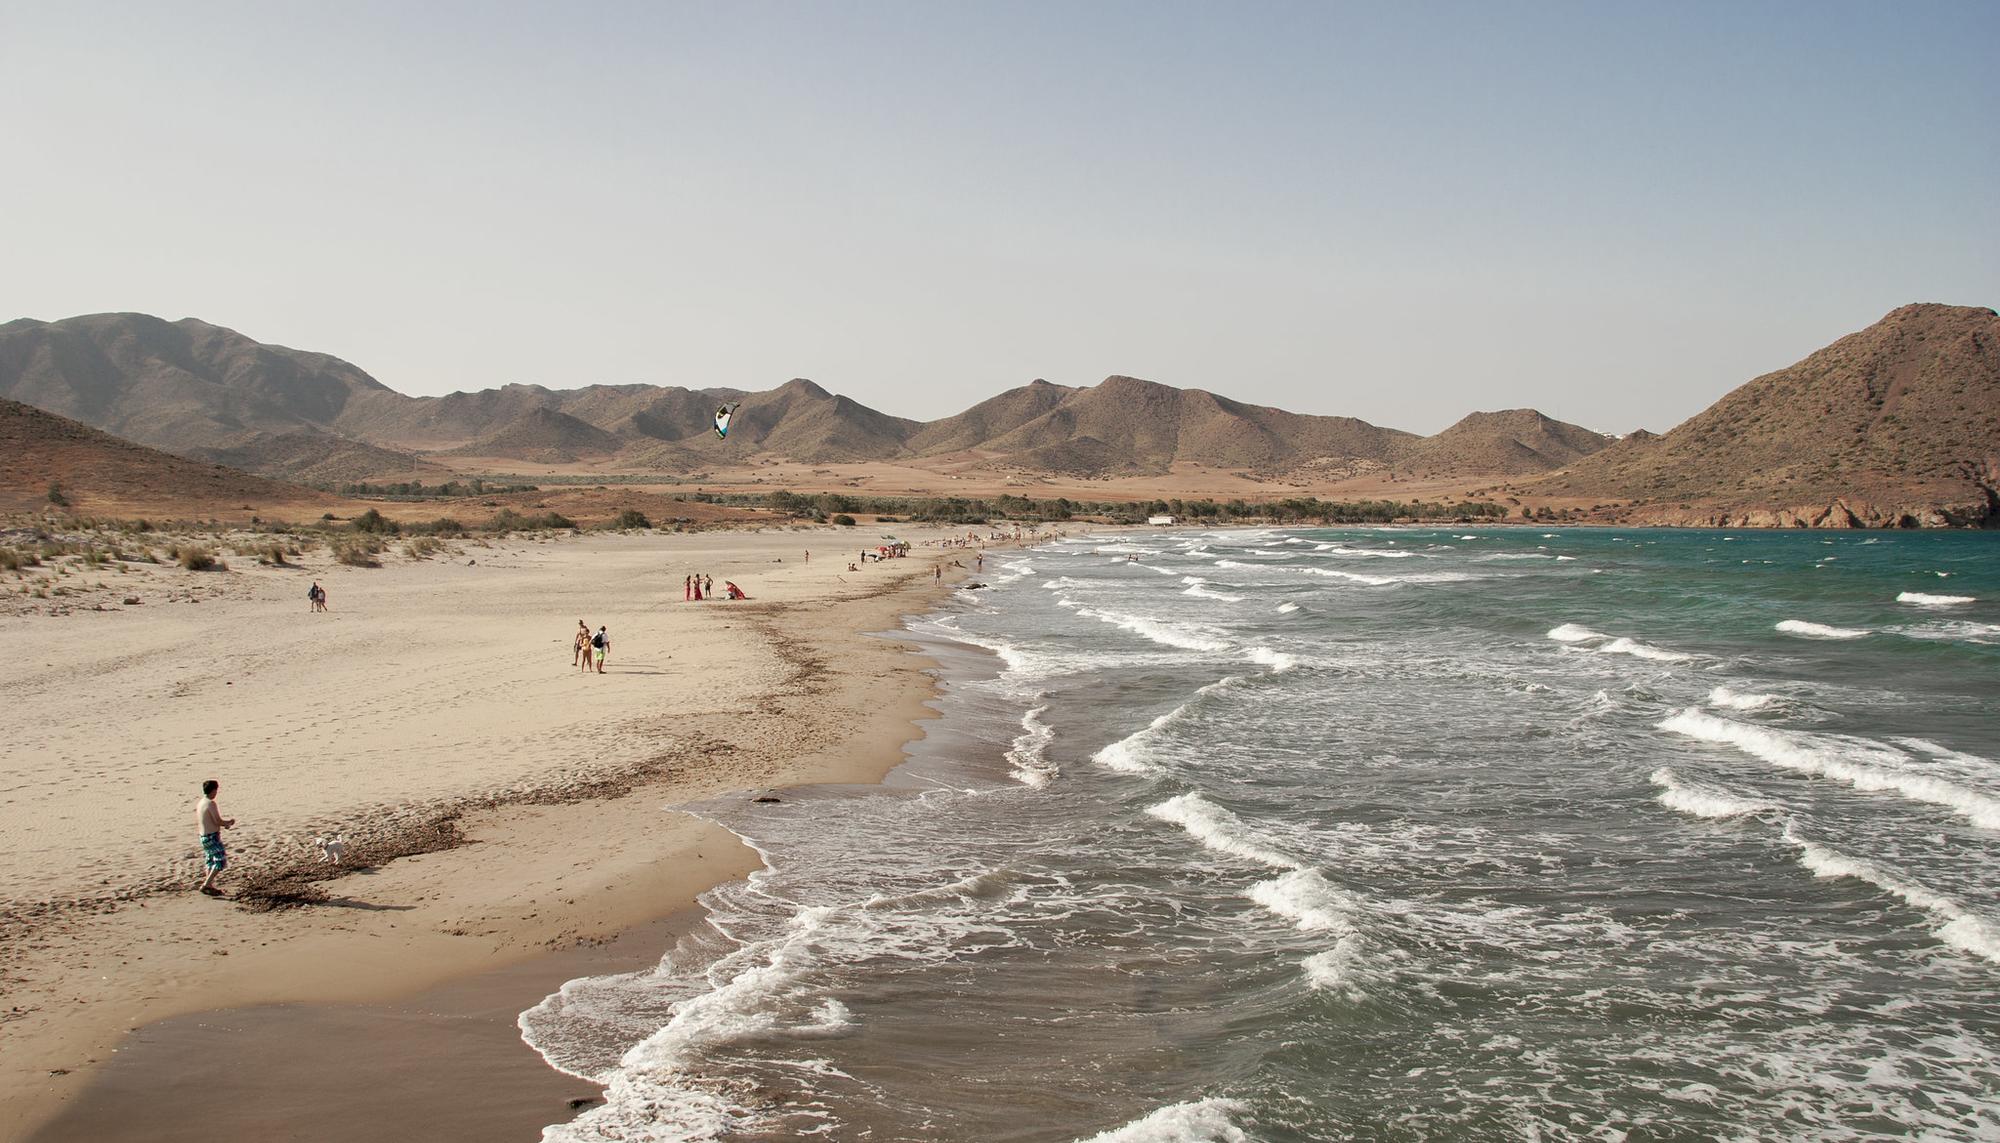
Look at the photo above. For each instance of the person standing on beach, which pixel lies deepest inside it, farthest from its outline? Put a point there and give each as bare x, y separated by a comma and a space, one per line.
687, 588
600, 643
209, 822
697, 589
708, 584
580, 644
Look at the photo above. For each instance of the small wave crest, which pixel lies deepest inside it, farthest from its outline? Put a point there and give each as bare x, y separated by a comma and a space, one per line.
1820, 630
1219, 830
1199, 588
1962, 929
1863, 765
1132, 754
1955, 631
1737, 700
1278, 661
1197, 1121
1181, 635
1027, 753
1676, 793
1924, 599
1573, 633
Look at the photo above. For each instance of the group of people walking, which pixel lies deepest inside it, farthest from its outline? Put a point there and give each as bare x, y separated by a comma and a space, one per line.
590, 648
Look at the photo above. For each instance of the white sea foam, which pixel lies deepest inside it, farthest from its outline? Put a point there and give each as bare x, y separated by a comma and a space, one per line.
1287, 608
1352, 577
1643, 651
1027, 754
1861, 764
1219, 830
1185, 636
1278, 661
1129, 754
1737, 700
1619, 645
1316, 905
1575, 633
1925, 600
759, 998
1962, 929
1971, 763
1198, 587
1368, 553
1702, 801
1820, 630
1954, 631
1309, 901
1334, 969
1197, 1121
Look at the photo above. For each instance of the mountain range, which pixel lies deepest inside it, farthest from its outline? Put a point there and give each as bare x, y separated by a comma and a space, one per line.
1894, 424
199, 389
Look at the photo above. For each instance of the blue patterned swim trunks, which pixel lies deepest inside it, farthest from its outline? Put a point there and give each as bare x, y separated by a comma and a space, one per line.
211, 845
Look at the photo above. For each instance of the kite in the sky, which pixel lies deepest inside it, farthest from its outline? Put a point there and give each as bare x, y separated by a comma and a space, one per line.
722, 419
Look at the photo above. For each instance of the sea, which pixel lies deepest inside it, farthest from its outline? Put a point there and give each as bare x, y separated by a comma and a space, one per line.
1419, 833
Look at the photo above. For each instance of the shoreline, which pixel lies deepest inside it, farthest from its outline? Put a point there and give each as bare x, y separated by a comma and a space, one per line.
440, 918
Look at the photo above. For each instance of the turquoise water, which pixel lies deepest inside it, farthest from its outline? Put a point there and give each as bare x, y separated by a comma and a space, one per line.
1376, 834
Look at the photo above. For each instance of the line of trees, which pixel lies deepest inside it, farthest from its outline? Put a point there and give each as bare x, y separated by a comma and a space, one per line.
979, 510
418, 490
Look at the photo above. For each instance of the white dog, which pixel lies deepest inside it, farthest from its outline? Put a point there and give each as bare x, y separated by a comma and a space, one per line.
331, 848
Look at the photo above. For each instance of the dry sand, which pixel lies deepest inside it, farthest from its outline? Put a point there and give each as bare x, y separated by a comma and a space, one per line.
433, 712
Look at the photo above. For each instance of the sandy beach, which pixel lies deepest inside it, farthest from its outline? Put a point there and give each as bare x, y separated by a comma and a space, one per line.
500, 807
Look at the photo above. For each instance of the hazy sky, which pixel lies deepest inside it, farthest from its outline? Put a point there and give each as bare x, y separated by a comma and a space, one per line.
1402, 212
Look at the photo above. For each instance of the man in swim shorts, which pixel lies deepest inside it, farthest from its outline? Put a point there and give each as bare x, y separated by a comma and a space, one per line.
210, 823
600, 644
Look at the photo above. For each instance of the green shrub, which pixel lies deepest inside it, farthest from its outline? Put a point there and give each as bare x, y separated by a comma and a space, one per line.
56, 496
358, 552
844, 520
375, 523
199, 559
508, 520
631, 518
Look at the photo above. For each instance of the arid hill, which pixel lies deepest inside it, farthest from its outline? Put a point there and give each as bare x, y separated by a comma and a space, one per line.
1898, 424
1511, 442
989, 419
319, 457
546, 436
96, 472
175, 385
804, 422
1149, 427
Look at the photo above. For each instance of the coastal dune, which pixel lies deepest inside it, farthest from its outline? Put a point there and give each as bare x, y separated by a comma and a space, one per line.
497, 802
